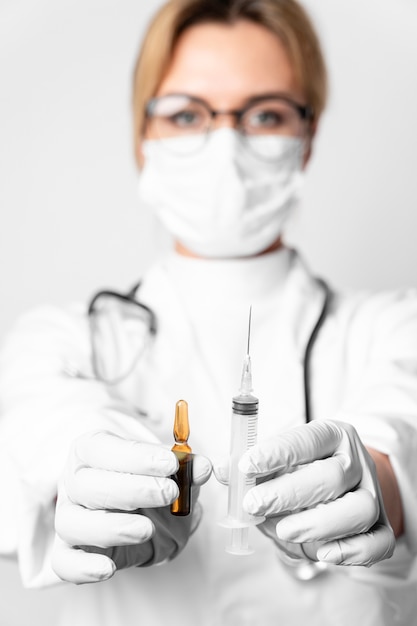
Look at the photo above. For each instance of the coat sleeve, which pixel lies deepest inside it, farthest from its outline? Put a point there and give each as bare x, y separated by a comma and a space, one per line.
42, 410
381, 389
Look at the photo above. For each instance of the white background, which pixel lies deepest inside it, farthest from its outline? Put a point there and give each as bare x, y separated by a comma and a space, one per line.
70, 220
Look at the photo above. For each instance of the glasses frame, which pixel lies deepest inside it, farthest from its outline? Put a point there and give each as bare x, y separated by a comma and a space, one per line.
130, 298
305, 111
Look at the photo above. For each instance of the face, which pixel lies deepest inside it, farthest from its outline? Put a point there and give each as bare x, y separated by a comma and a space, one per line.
215, 63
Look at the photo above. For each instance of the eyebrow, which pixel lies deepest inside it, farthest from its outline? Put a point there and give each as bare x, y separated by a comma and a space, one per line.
274, 94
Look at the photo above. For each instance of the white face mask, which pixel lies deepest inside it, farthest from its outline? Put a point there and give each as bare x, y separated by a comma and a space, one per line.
222, 201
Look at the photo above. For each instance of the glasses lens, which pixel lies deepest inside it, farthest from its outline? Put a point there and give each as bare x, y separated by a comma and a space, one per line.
179, 117
274, 129
273, 117
119, 335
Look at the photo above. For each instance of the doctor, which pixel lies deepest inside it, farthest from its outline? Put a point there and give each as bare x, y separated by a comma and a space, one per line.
227, 100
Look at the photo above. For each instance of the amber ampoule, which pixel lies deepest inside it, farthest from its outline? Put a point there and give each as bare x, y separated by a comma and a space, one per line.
183, 452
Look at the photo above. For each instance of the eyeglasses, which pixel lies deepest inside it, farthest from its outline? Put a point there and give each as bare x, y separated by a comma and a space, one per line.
180, 115
120, 330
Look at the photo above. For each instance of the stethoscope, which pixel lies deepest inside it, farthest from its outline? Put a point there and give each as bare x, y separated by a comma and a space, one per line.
150, 320
309, 349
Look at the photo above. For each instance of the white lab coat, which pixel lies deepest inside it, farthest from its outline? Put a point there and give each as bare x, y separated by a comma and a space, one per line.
364, 370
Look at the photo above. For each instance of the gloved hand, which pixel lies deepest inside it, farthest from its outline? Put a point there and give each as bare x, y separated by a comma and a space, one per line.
318, 488
113, 507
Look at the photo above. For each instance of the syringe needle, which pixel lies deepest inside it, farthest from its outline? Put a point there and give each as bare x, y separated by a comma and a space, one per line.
249, 325
246, 380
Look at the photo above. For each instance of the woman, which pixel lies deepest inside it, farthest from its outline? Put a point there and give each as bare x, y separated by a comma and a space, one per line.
227, 99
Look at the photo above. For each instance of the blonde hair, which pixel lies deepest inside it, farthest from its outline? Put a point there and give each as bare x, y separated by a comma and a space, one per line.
285, 18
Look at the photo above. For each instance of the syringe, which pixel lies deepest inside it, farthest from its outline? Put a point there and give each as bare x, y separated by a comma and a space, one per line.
243, 436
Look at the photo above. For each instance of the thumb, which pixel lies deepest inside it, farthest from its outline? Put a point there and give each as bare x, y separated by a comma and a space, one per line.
221, 469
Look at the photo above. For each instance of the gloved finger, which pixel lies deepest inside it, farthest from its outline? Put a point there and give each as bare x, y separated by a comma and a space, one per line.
101, 489
201, 469
354, 513
317, 482
77, 526
291, 549
76, 566
269, 526
105, 450
221, 469
298, 446
365, 549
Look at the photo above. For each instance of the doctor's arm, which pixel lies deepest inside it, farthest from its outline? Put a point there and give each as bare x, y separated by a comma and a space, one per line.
341, 490
54, 431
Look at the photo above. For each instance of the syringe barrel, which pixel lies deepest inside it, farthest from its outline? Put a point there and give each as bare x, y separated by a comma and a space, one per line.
243, 437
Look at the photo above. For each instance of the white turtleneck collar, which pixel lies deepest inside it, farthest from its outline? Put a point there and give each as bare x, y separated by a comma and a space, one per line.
241, 279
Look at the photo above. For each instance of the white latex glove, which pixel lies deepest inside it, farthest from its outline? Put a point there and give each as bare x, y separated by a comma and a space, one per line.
113, 507
320, 494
